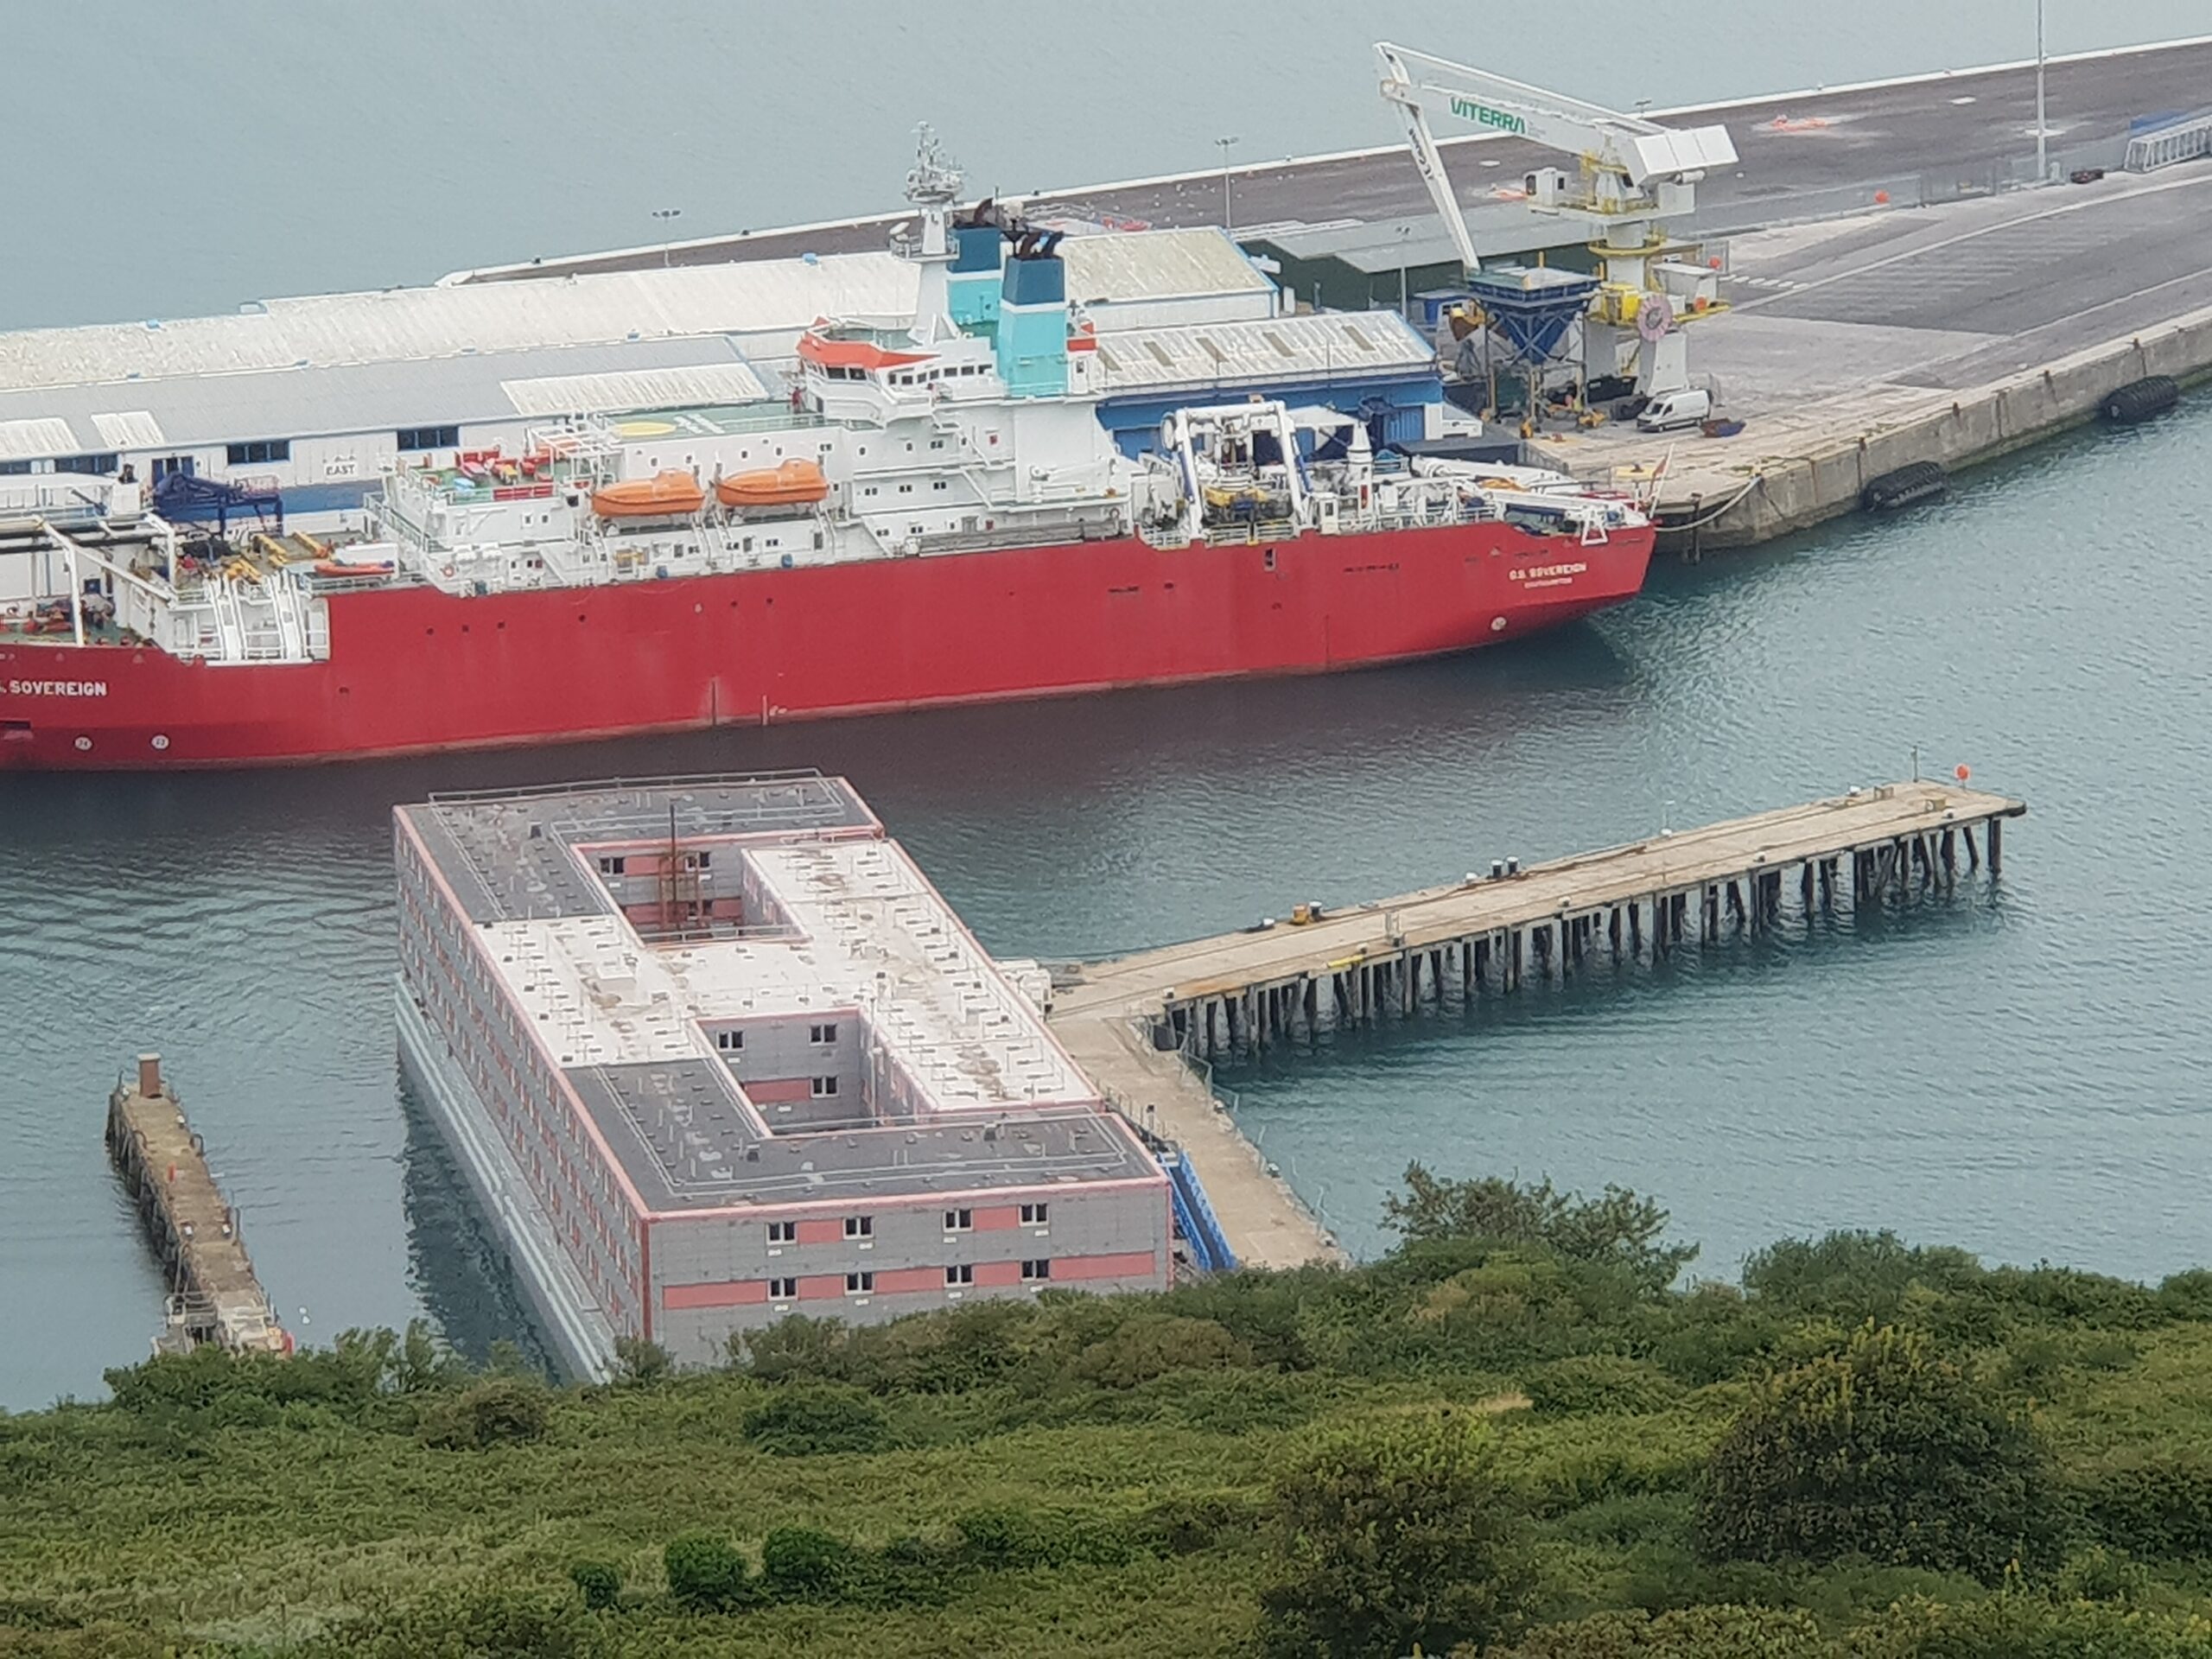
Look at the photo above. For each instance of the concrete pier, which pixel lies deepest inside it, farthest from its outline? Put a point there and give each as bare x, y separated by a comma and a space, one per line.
214, 1295
1953, 335
1140, 1024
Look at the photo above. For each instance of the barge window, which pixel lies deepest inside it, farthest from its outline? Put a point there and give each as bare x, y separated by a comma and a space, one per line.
1033, 1271
14, 468
108, 463
259, 452
825, 1087
859, 1284
1033, 1215
414, 439
964, 1274
783, 1232
859, 1226
729, 1039
782, 1290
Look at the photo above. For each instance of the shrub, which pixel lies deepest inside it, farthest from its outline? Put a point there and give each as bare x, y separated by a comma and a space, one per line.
803, 1564
1154, 1344
2100, 1575
1885, 1450
706, 1574
1589, 1383
2157, 1504
508, 1625
1000, 1536
808, 1419
793, 1348
1704, 1632
2187, 1295
497, 1410
1391, 1533
640, 1363
906, 1572
2020, 1627
599, 1583
1185, 1525
1617, 1228
1853, 1276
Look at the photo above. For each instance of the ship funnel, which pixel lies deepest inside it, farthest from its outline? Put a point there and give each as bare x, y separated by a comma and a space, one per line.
971, 282
1033, 331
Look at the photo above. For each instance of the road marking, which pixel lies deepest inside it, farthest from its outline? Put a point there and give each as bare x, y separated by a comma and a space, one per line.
2082, 205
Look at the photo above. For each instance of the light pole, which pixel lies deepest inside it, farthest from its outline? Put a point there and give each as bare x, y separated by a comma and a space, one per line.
1228, 218
2042, 137
667, 218
1404, 231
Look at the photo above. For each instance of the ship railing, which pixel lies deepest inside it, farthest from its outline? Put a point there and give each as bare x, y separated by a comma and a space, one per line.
1076, 527
674, 780
1250, 532
320, 585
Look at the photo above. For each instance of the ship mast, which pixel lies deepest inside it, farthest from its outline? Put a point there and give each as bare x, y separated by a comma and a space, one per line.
932, 185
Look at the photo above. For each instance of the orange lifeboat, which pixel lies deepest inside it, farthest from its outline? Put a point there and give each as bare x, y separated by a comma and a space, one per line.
664, 495
796, 483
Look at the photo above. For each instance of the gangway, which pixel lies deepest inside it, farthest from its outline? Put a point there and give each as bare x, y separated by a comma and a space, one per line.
2182, 138
188, 499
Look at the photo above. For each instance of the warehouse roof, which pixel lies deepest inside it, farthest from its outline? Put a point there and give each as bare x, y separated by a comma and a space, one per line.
195, 411
757, 301
1323, 345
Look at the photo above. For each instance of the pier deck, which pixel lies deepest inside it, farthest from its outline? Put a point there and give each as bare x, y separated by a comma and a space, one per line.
1138, 1022
215, 1295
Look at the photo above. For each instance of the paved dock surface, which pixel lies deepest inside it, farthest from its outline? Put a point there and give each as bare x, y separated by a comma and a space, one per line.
1844, 332
1794, 145
1266, 1224
1218, 989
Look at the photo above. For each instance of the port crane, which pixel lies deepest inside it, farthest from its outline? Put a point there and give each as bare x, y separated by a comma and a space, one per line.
1631, 174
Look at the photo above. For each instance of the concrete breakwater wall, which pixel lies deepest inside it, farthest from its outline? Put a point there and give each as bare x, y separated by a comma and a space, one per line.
1828, 464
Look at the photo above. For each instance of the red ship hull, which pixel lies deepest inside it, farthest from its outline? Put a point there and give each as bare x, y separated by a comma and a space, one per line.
412, 669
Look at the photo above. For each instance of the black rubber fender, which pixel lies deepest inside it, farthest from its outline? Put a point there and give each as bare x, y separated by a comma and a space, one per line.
1921, 480
2140, 400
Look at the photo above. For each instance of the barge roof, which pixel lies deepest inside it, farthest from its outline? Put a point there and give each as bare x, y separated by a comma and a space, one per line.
839, 924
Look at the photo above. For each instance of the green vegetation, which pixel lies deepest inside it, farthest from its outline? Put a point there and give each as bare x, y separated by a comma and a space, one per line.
1513, 1437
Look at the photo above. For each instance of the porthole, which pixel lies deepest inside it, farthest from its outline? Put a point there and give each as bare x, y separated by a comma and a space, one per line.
161, 740
83, 744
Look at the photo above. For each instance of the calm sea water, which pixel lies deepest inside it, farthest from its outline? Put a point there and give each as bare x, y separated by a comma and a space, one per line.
2016, 1072
241, 149
2020, 1072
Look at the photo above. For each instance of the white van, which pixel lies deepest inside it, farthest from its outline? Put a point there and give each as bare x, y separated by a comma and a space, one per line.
1672, 408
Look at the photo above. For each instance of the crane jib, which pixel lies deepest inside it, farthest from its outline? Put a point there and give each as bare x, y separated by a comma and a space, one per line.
1481, 115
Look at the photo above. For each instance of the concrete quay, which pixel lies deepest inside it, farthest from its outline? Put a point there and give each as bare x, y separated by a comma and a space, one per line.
1142, 1025
1955, 334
